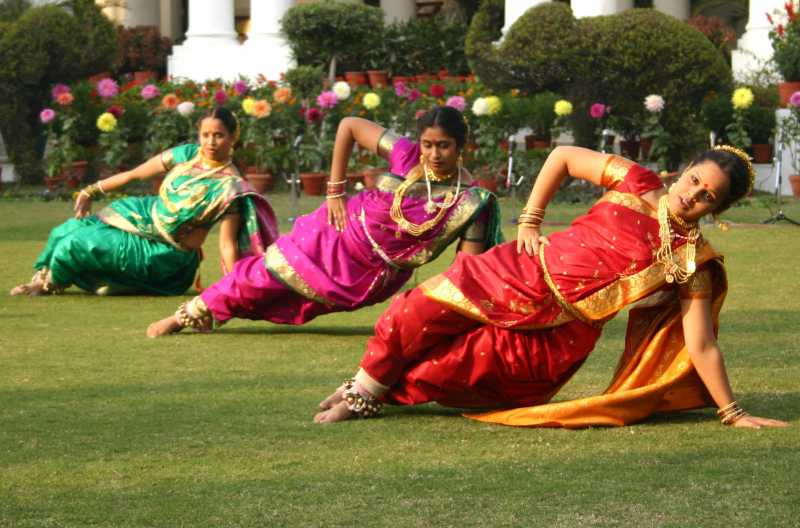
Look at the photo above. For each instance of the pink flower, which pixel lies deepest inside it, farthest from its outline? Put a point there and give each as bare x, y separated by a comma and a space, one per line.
437, 90
150, 91
794, 99
47, 115
107, 88
313, 114
413, 95
59, 89
457, 102
65, 98
220, 97
400, 88
116, 111
419, 114
327, 99
240, 88
598, 110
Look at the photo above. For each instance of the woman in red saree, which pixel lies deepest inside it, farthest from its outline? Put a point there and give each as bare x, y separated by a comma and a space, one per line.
506, 329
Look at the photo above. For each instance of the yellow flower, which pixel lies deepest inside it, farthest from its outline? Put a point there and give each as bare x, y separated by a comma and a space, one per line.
106, 122
247, 105
742, 98
494, 104
372, 100
563, 108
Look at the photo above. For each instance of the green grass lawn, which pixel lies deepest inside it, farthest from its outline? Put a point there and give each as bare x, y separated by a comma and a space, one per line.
100, 426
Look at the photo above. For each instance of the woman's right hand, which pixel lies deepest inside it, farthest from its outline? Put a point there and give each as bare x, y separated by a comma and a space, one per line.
756, 422
337, 213
529, 238
83, 205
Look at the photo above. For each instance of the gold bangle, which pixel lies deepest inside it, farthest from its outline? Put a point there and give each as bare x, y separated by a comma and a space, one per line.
723, 410
533, 210
337, 195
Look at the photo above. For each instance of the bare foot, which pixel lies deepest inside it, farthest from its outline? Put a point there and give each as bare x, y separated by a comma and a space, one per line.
333, 399
22, 289
168, 325
338, 413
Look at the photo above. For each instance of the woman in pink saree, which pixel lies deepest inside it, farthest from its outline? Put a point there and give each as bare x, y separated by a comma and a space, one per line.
507, 328
359, 251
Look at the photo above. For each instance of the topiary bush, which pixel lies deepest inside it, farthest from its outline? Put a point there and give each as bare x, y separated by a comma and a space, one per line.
640, 52
45, 45
332, 34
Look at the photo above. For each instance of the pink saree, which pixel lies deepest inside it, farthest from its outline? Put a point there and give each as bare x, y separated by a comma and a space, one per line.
315, 269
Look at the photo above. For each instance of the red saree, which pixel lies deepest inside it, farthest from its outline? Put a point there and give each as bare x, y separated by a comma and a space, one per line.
507, 330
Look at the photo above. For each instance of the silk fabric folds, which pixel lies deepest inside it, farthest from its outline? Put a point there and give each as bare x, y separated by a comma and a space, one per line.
132, 245
503, 330
315, 269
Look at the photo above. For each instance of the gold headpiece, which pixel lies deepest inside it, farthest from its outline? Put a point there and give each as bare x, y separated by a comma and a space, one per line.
742, 155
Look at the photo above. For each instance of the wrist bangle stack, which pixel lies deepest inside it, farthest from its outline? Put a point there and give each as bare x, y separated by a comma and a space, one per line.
531, 217
335, 189
92, 191
731, 413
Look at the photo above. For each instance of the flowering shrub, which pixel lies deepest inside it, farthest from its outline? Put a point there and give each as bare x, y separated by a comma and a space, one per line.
653, 130
785, 38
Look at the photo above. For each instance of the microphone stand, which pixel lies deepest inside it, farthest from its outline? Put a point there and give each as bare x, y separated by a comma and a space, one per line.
777, 162
295, 178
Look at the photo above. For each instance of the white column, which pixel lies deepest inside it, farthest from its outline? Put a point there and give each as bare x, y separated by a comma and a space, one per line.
211, 49
754, 48
516, 8
267, 49
211, 19
678, 8
587, 8
142, 13
8, 173
398, 10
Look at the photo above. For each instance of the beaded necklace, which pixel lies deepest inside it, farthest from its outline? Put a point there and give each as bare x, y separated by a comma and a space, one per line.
674, 271
396, 211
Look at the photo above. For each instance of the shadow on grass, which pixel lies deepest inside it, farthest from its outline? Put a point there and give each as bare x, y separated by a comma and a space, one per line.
294, 330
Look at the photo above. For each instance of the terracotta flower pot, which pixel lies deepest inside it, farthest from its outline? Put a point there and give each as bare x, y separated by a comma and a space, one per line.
75, 173
371, 177
645, 144
378, 78
762, 152
490, 184
355, 78
794, 180
629, 148
313, 183
536, 142
785, 91
424, 77
261, 181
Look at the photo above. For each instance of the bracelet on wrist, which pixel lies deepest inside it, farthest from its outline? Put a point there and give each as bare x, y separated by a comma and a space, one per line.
731, 413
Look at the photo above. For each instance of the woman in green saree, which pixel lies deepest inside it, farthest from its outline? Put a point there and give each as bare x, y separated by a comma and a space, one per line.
151, 244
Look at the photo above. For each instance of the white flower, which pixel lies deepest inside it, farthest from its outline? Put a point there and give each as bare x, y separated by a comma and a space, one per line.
358, 186
342, 90
654, 103
186, 108
480, 106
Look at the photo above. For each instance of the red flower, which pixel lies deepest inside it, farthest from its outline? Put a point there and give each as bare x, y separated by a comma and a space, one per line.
790, 10
115, 110
313, 115
769, 17
779, 30
437, 90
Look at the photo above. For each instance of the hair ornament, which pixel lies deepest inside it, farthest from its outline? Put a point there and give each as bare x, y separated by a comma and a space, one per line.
742, 155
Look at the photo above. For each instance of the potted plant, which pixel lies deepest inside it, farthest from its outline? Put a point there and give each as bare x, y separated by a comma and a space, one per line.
785, 39
112, 143
791, 138
742, 100
760, 124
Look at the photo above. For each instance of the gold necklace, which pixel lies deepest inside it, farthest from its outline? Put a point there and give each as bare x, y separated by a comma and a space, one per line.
673, 269
396, 211
212, 163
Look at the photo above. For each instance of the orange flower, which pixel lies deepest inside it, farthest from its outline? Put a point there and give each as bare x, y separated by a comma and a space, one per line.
261, 108
282, 95
170, 101
65, 99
